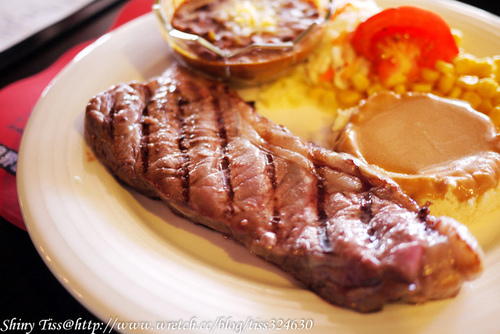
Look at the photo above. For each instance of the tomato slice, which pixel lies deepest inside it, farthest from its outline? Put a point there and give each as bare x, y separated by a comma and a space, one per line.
402, 40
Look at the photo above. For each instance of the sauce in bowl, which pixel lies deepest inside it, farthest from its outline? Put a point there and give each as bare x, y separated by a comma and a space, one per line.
430, 146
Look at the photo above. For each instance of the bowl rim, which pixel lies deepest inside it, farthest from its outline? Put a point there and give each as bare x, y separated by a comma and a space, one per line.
227, 54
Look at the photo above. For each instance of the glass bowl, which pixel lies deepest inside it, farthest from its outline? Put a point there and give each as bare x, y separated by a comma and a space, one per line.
261, 40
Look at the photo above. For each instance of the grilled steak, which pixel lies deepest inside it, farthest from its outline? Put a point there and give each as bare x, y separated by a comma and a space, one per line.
350, 235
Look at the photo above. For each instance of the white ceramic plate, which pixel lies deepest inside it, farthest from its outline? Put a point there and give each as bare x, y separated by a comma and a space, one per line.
127, 258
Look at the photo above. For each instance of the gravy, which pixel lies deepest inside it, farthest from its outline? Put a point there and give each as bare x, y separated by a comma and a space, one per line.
429, 145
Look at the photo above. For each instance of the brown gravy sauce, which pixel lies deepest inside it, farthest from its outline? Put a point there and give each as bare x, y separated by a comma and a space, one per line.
428, 145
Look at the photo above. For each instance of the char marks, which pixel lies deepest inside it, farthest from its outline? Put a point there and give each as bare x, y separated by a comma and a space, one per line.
110, 117
225, 164
366, 208
324, 238
183, 145
271, 172
145, 140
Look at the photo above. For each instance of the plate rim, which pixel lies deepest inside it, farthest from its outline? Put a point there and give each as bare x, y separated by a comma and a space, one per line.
38, 237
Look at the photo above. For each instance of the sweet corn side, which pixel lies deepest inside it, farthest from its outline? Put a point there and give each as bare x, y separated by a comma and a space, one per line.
468, 78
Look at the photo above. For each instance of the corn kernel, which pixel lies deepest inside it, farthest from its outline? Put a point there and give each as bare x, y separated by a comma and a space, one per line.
429, 75
396, 79
485, 68
495, 99
495, 116
375, 88
472, 98
421, 87
455, 92
496, 61
399, 89
496, 65
470, 65
465, 63
485, 106
467, 82
444, 67
457, 35
445, 83
360, 81
486, 87
349, 98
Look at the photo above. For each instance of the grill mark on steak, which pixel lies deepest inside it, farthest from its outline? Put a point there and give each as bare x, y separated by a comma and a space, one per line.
271, 172
224, 163
349, 234
183, 145
366, 208
324, 238
110, 118
321, 193
144, 141
226, 171
424, 212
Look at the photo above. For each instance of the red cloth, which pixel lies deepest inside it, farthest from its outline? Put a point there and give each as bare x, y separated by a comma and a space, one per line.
16, 103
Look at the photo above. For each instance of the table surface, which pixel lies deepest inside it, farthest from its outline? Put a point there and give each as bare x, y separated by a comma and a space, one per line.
28, 290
